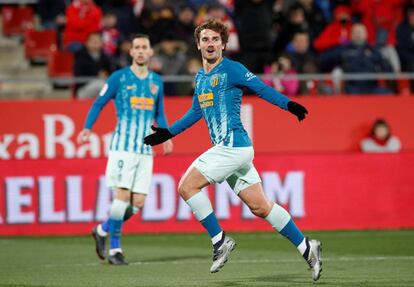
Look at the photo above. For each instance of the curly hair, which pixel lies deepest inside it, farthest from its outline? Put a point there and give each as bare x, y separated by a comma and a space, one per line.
215, 25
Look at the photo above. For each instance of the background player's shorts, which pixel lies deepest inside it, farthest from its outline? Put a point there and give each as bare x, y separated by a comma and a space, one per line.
233, 164
129, 170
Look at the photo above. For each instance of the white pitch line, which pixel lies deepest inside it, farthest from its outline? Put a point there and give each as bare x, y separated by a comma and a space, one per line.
244, 261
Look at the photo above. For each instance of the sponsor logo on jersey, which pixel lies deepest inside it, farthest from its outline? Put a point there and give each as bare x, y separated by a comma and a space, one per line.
103, 90
249, 76
206, 100
132, 87
142, 103
214, 80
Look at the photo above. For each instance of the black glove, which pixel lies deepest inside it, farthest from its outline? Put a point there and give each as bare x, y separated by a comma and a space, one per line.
298, 110
161, 135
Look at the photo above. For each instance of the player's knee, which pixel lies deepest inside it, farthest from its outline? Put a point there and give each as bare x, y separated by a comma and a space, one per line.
123, 194
260, 211
183, 189
138, 203
186, 189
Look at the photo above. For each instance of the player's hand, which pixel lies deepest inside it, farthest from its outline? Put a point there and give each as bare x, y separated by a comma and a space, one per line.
298, 110
161, 135
168, 147
83, 136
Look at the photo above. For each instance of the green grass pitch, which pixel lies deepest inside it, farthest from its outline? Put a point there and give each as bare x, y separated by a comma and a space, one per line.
351, 258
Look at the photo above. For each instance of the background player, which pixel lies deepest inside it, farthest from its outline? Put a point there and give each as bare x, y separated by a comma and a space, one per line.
217, 98
138, 96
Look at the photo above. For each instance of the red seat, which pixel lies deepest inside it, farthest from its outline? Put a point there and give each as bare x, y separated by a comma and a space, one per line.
60, 70
16, 20
403, 87
60, 64
39, 44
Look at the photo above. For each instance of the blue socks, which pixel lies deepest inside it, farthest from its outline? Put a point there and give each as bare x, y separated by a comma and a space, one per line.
281, 220
129, 212
292, 233
115, 228
114, 224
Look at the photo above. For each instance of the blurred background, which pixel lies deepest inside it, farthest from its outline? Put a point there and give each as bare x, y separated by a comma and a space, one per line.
347, 166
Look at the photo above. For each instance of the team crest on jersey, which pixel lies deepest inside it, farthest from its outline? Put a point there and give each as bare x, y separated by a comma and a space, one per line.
214, 80
154, 89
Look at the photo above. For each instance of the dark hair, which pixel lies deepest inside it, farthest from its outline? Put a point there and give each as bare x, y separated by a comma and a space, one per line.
215, 25
138, 36
377, 123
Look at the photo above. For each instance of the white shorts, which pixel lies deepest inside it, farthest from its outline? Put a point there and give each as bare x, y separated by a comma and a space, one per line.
233, 164
129, 170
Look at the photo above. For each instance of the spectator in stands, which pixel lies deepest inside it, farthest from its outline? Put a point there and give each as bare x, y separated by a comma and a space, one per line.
122, 58
304, 60
380, 139
405, 41
295, 22
52, 13
381, 18
110, 34
314, 16
277, 71
254, 24
124, 12
199, 4
192, 66
83, 17
184, 27
91, 61
171, 56
336, 33
358, 57
157, 20
171, 52
302, 56
327, 7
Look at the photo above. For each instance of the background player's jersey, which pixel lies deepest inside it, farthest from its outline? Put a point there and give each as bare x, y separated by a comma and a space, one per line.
217, 98
137, 102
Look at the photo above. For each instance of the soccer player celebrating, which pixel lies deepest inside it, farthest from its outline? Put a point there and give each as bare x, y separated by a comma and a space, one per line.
138, 96
217, 98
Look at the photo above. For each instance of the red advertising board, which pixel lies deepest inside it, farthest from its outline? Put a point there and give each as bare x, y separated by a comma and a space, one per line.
322, 192
48, 129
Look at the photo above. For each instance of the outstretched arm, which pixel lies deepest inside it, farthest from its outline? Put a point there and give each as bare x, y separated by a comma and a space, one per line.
245, 78
272, 96
192, 116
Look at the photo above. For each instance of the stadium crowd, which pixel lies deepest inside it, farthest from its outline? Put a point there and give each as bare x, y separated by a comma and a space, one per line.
270, 37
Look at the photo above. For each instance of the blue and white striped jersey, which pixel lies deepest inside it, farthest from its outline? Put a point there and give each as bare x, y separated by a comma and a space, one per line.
137, 102
217, 98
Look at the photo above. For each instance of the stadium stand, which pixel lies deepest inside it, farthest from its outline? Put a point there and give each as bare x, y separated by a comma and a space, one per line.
16, 20
60, 64
38, 45
25, 18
